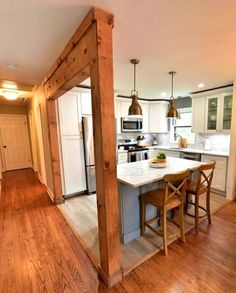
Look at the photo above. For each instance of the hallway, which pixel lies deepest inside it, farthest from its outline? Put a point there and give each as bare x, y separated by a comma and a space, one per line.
40, 253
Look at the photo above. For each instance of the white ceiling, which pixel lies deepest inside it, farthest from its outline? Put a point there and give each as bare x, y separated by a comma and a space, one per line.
195, 38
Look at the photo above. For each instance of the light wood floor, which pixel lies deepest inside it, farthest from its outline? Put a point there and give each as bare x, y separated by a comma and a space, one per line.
81, 214
40, 253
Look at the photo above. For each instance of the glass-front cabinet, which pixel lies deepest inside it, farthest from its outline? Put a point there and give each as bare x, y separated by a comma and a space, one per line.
227, 111
212, 113
218, 113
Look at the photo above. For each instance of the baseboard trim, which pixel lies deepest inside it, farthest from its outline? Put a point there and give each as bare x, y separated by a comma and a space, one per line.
110, 280
40, 178
50, 193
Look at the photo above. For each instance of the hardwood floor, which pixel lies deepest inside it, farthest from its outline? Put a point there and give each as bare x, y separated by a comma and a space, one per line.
81, 214
40, 253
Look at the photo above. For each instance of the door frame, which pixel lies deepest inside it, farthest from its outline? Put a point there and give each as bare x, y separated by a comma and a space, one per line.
33, 141
42, 177
1, 142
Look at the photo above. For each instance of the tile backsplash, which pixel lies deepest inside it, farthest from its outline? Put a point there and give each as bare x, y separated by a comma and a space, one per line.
219, 142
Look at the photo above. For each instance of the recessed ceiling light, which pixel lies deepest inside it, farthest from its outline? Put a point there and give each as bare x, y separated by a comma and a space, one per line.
10, 95
11, 66
163, 94
9, 86
201, 85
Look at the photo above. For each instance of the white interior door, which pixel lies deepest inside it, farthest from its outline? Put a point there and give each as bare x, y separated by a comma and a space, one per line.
15, 142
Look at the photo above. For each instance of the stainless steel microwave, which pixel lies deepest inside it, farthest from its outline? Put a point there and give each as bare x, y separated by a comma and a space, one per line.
131, 124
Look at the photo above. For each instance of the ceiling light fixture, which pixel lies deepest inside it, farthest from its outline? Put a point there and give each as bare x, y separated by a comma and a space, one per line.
9, 86
10, 95
201, 85
172, 111
135, 108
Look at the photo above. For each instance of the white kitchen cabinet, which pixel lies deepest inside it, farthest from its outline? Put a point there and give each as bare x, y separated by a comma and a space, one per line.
226, 112
212, 114
73, 164
198, 114
220, 173
72, 152
122, 157
157, 117
153, 153
117, 115
86, 103
124, 108
145, 110
69, 113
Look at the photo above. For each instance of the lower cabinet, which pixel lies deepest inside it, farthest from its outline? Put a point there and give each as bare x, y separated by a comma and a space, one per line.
73, 164
220, 173
153, 153
122, 158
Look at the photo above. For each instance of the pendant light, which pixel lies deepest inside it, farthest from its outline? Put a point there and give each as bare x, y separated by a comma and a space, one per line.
172, 111
135, 108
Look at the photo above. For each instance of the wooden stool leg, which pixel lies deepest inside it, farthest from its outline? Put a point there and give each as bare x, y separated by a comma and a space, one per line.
196, 212
186, 201
165, 232
208, 207
143, 216
181, 222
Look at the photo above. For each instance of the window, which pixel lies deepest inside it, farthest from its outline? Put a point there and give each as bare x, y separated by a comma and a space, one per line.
182, 126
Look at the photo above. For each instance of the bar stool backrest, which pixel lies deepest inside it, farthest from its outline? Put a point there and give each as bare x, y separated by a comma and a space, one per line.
205, 176
175, 185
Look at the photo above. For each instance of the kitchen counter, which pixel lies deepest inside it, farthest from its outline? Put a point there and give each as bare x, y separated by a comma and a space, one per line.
191, 150
139, 173
136, 178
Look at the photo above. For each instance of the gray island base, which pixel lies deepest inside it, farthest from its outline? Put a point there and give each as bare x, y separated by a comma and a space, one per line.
137, 178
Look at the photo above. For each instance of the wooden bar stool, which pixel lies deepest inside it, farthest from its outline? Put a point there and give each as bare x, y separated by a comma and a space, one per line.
201, 185
168, 198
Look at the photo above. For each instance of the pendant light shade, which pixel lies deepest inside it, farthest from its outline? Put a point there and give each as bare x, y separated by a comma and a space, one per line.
172, 111
135, 108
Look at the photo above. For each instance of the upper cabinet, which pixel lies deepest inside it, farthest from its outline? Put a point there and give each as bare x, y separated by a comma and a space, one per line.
227, 112
157, 117
212, 114
70, 114
145, 110
124, 108
198, 114
218, 113
154, 115
86, 103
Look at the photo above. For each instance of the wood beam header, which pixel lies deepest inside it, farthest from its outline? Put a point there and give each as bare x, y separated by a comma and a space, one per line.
94, 15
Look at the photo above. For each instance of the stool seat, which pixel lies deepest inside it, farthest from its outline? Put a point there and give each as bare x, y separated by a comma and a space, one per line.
192, 187
156, 198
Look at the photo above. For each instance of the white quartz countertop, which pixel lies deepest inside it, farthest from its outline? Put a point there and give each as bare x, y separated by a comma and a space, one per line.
192, 150
140, 173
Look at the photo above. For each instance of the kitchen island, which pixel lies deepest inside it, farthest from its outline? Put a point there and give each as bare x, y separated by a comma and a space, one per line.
136, 178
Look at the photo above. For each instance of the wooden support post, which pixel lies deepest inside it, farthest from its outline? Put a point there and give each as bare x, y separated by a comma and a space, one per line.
105, 154
89, 53
54, 148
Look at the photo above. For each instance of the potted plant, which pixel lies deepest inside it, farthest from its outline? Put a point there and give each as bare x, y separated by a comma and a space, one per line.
159, 161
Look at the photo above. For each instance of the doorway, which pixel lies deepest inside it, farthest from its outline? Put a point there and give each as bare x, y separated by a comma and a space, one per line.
15, 146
